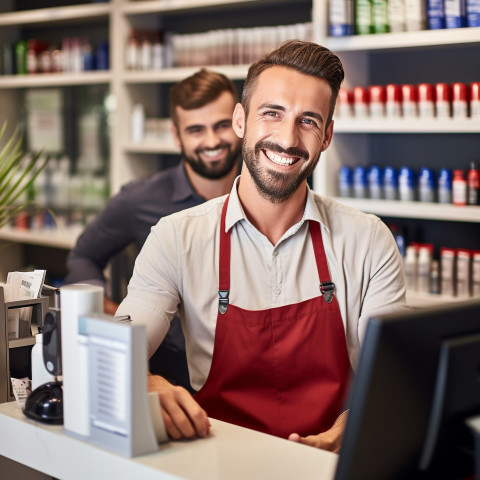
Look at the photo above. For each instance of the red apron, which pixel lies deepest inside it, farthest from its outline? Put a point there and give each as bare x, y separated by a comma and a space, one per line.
281, 370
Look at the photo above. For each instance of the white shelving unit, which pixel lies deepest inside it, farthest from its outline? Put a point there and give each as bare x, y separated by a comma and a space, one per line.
351, 139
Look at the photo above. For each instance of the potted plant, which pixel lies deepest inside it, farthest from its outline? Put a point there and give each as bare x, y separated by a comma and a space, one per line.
17, 174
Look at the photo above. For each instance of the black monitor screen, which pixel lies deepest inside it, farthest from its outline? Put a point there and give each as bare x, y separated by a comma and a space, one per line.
418, 380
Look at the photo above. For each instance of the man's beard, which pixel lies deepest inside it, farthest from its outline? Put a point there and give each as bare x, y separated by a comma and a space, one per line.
214, 170
274, 185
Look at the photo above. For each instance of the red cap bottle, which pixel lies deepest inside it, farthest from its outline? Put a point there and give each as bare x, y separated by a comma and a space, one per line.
459, 100
442, 100
409, 101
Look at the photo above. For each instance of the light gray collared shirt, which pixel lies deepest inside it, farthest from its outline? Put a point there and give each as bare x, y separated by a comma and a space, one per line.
177, 271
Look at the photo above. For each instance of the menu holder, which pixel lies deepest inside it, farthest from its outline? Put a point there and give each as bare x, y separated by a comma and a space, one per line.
124, 418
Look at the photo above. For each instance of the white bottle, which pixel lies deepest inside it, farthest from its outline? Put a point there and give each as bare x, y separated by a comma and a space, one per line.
138, 123
40, 374
424, 269
410, 266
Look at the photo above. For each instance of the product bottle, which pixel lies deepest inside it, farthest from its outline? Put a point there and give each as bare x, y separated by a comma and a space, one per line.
475, 100
459, 188
363, 17
396, 15
445, 186
345, 182
138, 123
406, 184
40, 374
459, 100
473, 184
410, 266
476, 274
442, 100
133, 52
341, 18
426, 185
464, 273
436, 14
380, 16
424, 268
447, 271
435, 278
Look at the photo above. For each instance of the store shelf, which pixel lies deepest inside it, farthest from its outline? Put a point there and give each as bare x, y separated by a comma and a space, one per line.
64, 238
405, 40
426, 211
21, 342
56, 14
235, 72
418, 299
55, 79
152, 147
178, 6
369, 125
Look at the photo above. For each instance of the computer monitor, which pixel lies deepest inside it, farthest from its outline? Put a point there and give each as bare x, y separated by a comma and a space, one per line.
417, 381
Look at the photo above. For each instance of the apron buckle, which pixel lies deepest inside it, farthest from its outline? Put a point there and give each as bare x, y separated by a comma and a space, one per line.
327, 289
223, 300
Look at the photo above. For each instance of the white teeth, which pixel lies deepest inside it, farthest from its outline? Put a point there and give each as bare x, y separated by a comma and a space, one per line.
212, 153
279, 160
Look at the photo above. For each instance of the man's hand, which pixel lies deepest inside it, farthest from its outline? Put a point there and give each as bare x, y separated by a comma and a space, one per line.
329, 440
183, 416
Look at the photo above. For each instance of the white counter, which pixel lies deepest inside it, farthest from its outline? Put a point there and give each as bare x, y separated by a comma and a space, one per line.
229, 453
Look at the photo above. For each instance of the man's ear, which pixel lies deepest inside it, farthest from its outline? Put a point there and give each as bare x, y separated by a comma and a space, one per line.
175, 135
328, 136
238, 120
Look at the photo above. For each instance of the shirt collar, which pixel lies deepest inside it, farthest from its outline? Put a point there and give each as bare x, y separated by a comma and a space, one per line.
182, 188
313, 210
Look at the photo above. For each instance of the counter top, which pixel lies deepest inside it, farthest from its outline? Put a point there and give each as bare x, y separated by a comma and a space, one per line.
229, 453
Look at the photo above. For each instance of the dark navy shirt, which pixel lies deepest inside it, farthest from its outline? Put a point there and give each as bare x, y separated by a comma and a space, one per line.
126, 219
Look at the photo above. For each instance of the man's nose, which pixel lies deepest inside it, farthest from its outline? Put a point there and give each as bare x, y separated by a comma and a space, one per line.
212, 138
286, 134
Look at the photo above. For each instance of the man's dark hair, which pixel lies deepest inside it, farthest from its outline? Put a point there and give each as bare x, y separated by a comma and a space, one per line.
305, 57
198, 90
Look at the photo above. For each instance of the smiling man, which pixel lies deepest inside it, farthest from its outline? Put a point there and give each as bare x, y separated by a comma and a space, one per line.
274, 283
201, 108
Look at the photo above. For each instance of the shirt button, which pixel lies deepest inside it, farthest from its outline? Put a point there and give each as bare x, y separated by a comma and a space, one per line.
275, 253
277, 291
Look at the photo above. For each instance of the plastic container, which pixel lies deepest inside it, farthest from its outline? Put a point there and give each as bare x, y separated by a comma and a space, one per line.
459, 100
406, 184
464, 275
410, 267
393, 101
473, 13
426, 101
473, 184
455, 14
447, 269
374, 179
345, 183
376, 96
344, 107
363, 17
459, 188
444, 189
390, 183
443, 100
475, 100
359, 182
424, 265
380, 22
409, 101
396, 15
426, 185
436, 14
476, 273
360, 102
341, 18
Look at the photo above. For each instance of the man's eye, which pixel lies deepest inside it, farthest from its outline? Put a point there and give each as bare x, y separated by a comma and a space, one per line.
309, 121
271, 114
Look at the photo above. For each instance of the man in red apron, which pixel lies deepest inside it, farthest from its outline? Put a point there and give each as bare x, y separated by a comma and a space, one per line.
283, 370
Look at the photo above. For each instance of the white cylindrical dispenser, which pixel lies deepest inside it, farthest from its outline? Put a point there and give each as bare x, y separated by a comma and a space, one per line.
76, 300
40, 374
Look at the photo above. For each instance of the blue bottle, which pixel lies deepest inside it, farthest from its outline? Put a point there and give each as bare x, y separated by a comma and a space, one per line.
345, 183
444, 186
426, 185
359, 182
390, 184
436, 14
374, 178
406, 184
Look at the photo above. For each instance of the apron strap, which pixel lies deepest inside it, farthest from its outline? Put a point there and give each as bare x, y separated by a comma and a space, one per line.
327, 287
224, 263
